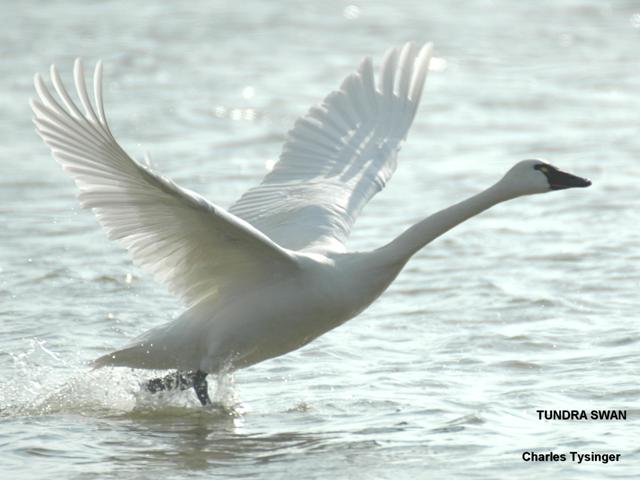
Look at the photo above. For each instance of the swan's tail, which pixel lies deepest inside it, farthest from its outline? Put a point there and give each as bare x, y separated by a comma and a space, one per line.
135, 356
180, 344
161, 348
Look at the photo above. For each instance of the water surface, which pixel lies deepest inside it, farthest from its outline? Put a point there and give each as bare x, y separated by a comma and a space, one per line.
531, 306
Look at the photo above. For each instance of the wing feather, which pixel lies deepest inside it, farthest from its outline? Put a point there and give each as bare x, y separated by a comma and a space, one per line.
197, 249
339, 155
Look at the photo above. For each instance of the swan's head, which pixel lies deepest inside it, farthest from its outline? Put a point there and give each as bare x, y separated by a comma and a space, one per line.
537, 176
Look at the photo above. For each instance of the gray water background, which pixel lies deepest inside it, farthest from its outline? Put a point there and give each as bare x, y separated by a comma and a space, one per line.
533, 305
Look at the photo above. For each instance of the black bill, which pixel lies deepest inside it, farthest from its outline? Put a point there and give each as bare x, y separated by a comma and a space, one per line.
559, 180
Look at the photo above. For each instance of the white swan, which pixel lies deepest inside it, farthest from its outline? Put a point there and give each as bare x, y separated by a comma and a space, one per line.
271, 273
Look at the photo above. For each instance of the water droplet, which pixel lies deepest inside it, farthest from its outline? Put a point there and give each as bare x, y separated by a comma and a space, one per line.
351, 12
566, 39
248, 92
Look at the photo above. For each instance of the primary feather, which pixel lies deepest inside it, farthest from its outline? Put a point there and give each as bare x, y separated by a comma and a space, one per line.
192, 246
339, 155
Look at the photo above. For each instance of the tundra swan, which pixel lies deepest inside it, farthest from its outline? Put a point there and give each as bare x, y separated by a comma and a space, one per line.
271, 273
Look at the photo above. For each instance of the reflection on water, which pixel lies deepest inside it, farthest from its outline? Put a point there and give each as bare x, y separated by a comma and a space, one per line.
199, 441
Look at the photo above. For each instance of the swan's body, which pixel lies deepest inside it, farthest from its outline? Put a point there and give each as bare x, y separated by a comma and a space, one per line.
263, 322
271, 273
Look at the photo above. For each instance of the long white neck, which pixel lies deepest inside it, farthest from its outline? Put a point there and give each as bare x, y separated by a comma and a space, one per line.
408, 243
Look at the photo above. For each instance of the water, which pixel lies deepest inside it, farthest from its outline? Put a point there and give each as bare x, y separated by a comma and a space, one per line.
531, 306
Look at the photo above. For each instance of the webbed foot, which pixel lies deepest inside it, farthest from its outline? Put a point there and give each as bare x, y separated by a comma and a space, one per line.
182, 381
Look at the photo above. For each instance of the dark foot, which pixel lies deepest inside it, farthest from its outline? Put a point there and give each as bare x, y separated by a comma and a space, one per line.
201, 387
182, 381
173, 381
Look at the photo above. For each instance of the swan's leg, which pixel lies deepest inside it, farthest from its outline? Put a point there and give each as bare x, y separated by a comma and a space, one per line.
201, 387
182, 381
175, 380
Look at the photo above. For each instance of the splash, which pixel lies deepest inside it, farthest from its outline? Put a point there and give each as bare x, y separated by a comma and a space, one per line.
44, 383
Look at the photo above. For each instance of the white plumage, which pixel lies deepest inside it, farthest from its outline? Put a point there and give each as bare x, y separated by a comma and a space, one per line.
271, 273
339, 155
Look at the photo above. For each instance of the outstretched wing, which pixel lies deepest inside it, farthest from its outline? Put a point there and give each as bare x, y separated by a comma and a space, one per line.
339, 155
193, 247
